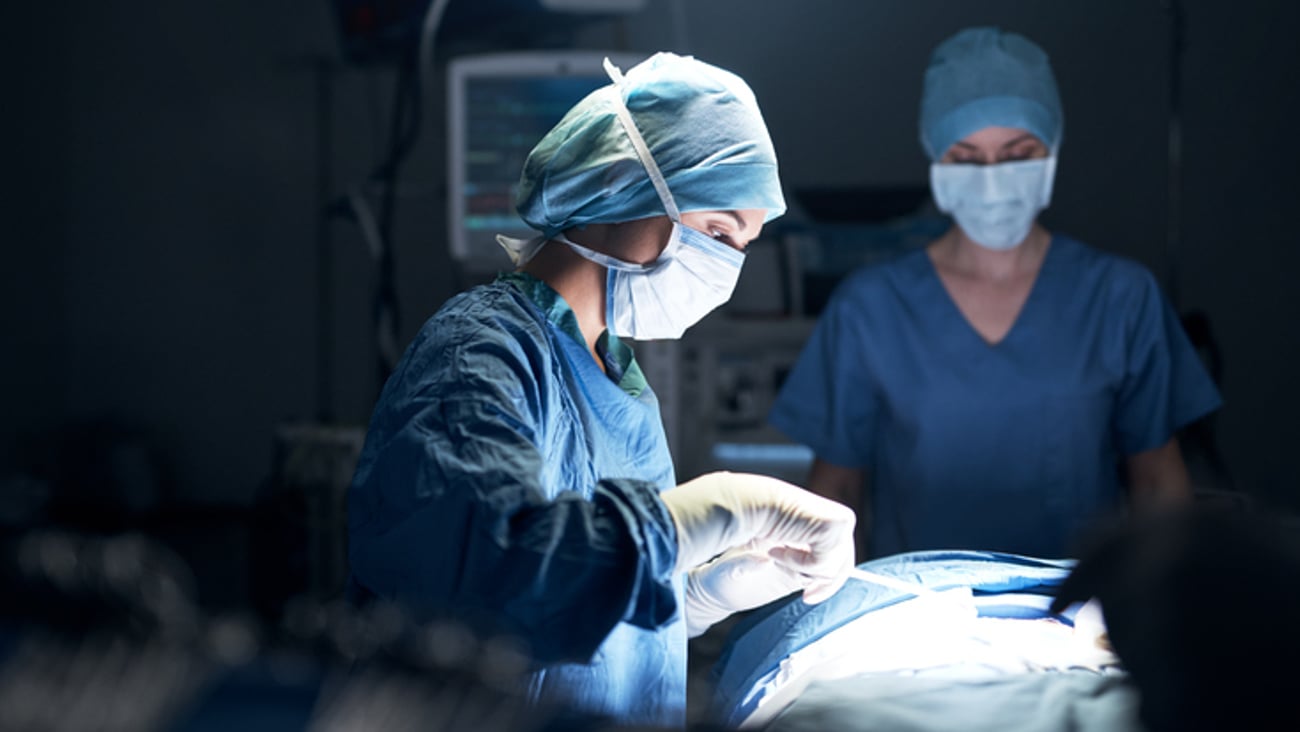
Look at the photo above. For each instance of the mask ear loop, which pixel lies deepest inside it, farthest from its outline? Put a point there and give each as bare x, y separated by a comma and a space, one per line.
638, 144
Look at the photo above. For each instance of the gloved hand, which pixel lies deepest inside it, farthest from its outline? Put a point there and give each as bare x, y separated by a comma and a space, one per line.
806, 533
740, 579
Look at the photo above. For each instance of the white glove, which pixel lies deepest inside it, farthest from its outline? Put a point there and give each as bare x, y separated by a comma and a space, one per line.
740, 579
804, 532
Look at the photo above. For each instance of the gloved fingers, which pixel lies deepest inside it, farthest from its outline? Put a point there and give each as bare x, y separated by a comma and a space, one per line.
776, 572
719, 511
825, 571
738, 562
819, 591
739, 579
759, 545
804, 518
754, 569
796, 558
820, 579
709, 516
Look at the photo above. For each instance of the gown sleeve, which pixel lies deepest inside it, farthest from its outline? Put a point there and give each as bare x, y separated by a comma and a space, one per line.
827, 402
447, 513
1165, 386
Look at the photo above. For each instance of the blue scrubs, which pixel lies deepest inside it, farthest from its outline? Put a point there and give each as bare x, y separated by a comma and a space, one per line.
506, 477
1010, 447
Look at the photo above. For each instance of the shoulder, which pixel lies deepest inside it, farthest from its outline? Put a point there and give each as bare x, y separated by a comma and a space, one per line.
474, 333
1090, 259
880, 282
483, 315
1119, 278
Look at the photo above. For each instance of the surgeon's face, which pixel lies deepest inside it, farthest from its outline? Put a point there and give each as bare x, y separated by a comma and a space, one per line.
993, 145
646, 239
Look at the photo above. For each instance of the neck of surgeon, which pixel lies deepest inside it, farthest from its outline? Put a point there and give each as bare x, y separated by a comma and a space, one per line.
581, 282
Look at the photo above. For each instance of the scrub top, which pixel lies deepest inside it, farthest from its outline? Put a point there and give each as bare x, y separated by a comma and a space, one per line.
506, 477
1013, 446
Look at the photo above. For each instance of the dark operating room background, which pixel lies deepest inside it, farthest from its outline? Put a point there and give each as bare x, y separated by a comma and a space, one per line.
162, 241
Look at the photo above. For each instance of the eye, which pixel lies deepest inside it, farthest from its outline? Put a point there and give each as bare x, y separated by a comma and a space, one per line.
725, 238
719, 235
1028, 152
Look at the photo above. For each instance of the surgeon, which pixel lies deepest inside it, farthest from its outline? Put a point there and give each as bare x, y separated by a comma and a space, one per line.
1005, 386
516, 471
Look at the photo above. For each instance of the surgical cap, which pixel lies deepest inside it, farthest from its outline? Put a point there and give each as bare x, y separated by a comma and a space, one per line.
702, 126
984, 77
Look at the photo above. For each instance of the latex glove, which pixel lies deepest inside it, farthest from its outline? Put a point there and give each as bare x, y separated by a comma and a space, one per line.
806, 533
741, 579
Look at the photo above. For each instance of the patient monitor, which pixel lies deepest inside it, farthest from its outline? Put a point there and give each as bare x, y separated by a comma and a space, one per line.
499, 106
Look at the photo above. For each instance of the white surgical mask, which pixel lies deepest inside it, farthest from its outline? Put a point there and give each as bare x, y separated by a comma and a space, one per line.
694, 274
994, 204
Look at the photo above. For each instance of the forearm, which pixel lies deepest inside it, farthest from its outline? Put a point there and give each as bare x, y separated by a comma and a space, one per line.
559, 573
450, 515
836, 482
1158, 478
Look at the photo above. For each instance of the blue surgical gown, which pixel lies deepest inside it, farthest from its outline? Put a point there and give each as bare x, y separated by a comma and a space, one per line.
505, 477
1010, 447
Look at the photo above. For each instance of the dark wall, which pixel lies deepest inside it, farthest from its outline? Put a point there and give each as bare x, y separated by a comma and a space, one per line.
167, 280
1240, 258
162, 263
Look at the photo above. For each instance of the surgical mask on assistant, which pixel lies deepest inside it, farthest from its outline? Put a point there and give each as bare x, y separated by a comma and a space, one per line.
994, 204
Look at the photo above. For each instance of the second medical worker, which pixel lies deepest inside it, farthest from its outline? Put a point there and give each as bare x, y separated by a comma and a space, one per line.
988, 391
516, 468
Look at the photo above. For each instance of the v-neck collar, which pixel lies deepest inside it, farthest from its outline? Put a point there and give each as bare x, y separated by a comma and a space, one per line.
1027, 308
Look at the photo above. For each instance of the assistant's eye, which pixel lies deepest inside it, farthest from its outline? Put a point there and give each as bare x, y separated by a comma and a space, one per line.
1029, 152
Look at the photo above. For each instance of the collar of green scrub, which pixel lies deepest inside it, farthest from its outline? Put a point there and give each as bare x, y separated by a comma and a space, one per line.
620, 362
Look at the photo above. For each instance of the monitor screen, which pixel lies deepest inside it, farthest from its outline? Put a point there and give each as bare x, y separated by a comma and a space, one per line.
499, 107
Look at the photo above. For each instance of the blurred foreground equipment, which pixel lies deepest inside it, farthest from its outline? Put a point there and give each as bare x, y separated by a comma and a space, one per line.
1201, 607
103, 633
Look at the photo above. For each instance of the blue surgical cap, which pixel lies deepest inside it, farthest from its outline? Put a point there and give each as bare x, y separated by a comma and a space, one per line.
985, 77
702, 126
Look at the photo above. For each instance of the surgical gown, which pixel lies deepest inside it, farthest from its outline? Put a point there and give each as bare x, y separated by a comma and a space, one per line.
505, 477
1013, 446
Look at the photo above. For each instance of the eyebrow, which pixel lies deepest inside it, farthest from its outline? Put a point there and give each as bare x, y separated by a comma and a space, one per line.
1018, 140
1005, 145
740, 224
